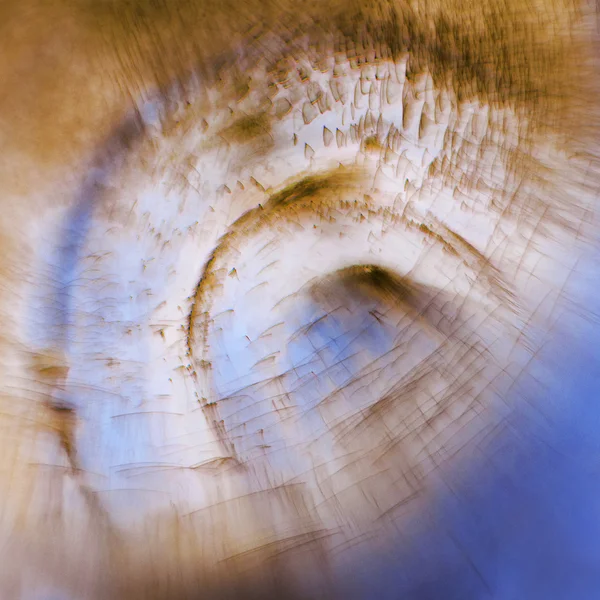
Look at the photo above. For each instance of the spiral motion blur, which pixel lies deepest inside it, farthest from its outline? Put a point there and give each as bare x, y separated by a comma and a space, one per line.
279, 285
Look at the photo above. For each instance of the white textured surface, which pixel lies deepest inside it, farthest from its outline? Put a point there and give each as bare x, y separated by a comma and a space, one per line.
146, 450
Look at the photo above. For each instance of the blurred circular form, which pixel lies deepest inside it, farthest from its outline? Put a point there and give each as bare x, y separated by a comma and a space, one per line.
235, 260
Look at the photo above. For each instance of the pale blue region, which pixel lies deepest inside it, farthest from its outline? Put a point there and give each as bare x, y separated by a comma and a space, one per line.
332, 349
231, 356
150, 113
521, 520
57, 313
315, 363
89, 329
53, 316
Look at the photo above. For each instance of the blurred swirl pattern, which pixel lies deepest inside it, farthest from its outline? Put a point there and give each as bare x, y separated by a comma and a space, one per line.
275, 276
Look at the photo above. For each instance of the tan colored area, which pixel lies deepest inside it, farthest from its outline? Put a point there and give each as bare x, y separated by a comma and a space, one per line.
70, 68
